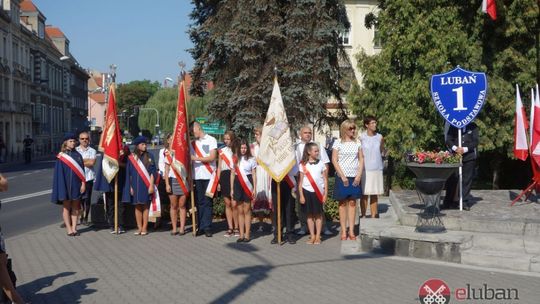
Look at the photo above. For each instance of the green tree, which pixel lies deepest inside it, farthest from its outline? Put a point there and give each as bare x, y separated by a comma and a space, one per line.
165, 101
422, 38
238, 43
135, 93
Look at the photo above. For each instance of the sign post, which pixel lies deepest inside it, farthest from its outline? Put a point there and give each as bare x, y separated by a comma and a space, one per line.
459, 95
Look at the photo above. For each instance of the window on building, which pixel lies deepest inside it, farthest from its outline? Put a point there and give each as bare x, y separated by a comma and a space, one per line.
344, 37
377, 43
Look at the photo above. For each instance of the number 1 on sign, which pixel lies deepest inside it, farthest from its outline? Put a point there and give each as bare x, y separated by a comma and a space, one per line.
459, 99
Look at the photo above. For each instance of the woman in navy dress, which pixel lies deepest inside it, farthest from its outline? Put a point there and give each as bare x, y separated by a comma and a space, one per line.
67, 185
135, 190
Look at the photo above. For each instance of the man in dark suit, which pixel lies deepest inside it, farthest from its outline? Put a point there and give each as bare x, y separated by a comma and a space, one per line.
469, 154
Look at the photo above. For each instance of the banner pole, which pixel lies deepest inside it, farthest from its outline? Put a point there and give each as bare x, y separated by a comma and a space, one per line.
279, 212
116, 204
460, 174
193, 211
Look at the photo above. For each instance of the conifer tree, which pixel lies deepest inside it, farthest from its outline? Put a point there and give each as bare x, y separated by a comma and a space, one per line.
238, 43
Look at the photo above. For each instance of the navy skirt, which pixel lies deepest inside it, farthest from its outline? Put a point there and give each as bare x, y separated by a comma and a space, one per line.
350, 192
225, 183
239, 194
313, 206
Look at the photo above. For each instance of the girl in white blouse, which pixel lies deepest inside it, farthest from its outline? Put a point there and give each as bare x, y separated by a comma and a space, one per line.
243, 183
314, 182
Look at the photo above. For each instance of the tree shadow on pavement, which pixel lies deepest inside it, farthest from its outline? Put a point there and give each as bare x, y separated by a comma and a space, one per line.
258, 273
68, 293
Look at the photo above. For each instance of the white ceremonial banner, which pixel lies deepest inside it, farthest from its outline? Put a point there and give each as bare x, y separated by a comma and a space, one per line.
276, 153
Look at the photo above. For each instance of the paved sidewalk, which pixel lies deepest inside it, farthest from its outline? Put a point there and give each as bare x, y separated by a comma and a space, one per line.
98, 267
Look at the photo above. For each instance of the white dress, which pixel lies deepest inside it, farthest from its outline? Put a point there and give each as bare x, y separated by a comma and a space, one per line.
263, 188
372, 179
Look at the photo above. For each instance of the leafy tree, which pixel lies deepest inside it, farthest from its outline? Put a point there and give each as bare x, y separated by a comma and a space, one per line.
238, 43
422, 38
165, 100
135, 93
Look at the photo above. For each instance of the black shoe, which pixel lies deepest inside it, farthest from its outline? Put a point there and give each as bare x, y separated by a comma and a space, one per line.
273, 241
207, 233
246, 240
291, 240
466, 207
240, 240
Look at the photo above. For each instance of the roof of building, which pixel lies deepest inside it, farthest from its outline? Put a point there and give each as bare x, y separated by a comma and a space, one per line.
28, 6
54, 32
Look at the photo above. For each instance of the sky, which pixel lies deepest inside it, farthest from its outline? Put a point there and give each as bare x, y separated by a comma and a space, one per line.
145, 39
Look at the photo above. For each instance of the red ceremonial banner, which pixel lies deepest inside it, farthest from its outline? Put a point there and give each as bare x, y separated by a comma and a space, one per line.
111, 140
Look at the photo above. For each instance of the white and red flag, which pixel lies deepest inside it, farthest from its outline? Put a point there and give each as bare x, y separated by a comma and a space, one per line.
276, 153
489, 7
179, 162
535, 141
521, 148
111, 141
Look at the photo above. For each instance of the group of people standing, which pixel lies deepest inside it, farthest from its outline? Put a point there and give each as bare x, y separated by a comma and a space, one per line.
232, 171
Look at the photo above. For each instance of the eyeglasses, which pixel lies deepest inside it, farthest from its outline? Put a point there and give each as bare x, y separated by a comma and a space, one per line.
352, 128
85, 138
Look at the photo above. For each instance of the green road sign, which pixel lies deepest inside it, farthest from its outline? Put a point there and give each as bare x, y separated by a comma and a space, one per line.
213, 130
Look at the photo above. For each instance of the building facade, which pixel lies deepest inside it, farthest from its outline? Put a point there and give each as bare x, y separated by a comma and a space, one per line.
358, 38
43, 89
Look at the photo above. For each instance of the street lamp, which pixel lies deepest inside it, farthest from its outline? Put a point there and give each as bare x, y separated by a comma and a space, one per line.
157, 114
169, 79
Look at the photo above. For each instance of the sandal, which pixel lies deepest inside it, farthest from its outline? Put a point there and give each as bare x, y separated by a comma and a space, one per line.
144, 233
236, 232
343, 237
229, 233
310, 241
137, 233
317, 241
182, 232
352, 237
174, 233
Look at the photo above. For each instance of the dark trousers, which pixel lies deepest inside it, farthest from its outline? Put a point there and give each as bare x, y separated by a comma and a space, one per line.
87, 199
203, 204
452, 184
109, 196
287, 206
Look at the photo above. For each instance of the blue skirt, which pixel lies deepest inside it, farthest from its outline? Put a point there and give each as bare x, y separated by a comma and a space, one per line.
350, 192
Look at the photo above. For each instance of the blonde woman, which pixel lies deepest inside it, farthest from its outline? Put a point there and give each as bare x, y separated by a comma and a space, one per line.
348, 160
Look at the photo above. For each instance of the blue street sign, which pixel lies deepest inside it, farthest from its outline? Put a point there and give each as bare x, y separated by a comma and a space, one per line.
459, 95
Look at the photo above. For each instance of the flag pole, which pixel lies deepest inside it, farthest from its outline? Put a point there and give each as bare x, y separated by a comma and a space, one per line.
116, 204
460, 174
279, 212
193, 209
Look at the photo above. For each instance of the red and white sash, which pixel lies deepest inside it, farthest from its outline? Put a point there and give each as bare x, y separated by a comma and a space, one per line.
244, 180
177, 172
291, 181
72, 164
155, 206
318, 191
212, 185
228, 161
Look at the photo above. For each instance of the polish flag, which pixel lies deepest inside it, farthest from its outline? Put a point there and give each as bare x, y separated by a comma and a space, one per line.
535, 142
521, 148
489, 7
